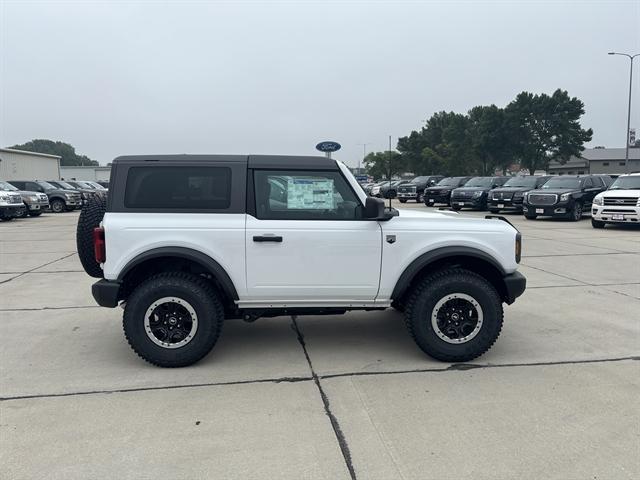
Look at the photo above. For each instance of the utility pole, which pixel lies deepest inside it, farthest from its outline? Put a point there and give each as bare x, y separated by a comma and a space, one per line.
389, 173
626, 141
364, 153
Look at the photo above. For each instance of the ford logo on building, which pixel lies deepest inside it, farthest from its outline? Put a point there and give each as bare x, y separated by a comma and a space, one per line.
328, 146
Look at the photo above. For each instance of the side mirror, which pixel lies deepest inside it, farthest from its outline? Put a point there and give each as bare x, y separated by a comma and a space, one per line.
374, 209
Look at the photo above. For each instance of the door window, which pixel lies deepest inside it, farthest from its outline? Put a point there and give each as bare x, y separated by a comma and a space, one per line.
304, 195
588, 183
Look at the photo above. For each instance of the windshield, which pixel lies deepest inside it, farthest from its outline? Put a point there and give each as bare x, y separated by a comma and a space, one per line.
626, 183
66, 186
83, 185
7, 187
479, 182
560, 182
521, 182
419, 179
449, 182
95, 185
46, 185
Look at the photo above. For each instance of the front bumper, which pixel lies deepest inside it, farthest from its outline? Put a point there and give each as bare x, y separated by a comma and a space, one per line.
502, 204
514, 284
561, 209
433, 199
467, 202
12, 211
407, 195
614, 214
106, 292
36, 207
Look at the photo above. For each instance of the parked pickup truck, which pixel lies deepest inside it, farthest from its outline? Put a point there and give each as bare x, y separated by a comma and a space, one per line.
188, 241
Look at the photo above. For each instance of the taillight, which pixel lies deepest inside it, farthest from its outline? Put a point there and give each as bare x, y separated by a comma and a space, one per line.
99, 245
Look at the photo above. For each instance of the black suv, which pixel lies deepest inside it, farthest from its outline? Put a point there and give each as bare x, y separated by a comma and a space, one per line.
566, 196
414, 190
511, 194
475, 192
441, 192
59, 199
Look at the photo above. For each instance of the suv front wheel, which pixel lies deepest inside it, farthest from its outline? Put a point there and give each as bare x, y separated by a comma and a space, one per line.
454, 315
173, 319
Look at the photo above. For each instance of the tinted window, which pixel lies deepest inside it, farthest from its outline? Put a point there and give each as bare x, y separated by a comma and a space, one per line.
626, 183
479, 182
562, 182
304, 195
7, 187
190, 188
588, 183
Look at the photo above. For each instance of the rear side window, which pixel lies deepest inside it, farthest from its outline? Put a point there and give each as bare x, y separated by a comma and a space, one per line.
186, 187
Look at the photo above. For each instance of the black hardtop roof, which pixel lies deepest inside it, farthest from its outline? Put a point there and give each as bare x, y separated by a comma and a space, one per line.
253, 161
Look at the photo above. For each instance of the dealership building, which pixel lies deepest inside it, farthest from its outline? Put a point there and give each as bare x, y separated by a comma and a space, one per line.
598, 160
23, 165
94, 174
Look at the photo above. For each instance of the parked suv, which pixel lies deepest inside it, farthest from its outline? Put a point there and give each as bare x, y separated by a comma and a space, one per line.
566, 196
34, 203
11, 204
511, 194
475, 192
387, 189
441, 192
414, 190
59, 199
188, 241
619, 204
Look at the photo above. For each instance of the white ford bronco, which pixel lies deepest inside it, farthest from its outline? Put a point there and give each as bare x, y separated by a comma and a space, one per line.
187, 241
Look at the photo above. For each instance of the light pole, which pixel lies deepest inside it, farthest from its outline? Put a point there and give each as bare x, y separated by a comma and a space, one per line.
364, 153
626, 151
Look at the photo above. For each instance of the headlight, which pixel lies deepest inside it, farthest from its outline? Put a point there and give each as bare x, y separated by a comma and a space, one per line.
68, 196
4, 198
517, 194
477, 194
32, 198
598, 201
564, 197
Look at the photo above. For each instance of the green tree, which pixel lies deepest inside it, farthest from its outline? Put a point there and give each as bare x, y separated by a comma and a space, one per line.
547, 128
492, 138
67, 153
384, 164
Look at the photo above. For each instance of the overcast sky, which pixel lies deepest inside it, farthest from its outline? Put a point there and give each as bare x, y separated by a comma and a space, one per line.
115, 78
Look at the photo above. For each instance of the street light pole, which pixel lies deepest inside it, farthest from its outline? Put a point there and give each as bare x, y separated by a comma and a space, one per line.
364, 153
626, 152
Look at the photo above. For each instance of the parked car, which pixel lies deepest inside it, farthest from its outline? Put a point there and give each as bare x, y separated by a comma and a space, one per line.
511, 194
104, 184
441, 192
390, 189
475, 193
414, 190
87, 188
367, 188
11, 203
619, 204
566, 196
60, 200
85, 194
96, 185
178, 286
34, 202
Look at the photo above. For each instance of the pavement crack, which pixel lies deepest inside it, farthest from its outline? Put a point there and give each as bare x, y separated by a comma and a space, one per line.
36, 268
165, 387
461, 367
342, 441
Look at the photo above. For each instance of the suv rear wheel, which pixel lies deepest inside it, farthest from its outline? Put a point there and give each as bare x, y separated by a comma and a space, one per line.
173, 319
454, 315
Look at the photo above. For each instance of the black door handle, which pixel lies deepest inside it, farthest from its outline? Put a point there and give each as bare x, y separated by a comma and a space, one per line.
267, 238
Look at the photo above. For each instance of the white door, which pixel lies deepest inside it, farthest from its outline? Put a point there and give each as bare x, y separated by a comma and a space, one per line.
307, 241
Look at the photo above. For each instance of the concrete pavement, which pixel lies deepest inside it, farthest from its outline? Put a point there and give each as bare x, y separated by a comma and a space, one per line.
347, 396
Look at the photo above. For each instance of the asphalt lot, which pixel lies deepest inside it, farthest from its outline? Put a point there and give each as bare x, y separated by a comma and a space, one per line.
558, 396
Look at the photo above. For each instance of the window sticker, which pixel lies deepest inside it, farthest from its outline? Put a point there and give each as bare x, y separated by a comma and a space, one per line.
310, 194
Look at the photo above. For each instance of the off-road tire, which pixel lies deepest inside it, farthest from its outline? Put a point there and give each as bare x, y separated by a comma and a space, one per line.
431, 289
193, 289
597, 223
90, 217
399, 306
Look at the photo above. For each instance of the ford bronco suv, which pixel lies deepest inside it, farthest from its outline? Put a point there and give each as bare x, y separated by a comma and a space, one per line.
187, 241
